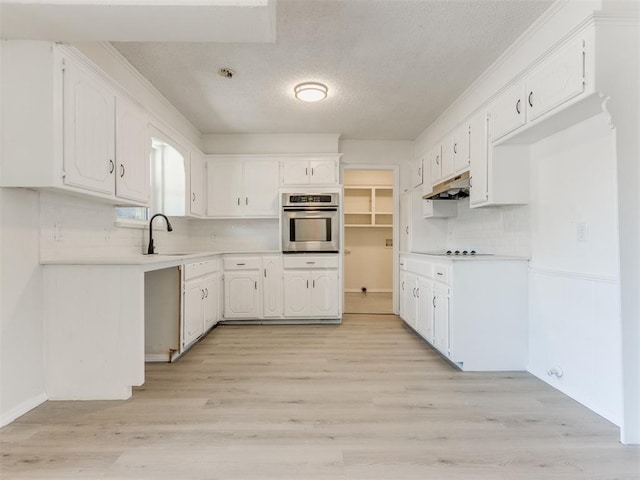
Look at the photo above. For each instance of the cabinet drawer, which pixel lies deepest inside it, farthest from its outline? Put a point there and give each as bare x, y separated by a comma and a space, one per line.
441, 273
419, 266
193, 270
310, 261
242, 263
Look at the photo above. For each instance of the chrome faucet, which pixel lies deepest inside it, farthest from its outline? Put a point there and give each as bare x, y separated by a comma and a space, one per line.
151, 249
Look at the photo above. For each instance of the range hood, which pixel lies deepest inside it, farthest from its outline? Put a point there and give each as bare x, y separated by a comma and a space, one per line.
452, 189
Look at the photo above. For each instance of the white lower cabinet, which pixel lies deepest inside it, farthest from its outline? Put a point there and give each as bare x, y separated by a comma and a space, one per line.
311, 286
272, 286
440, 315
473, 311
202, 295
242, 294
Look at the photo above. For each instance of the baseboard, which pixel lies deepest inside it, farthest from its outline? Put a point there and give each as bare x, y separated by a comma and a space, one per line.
156, 357
372, 290
7, 417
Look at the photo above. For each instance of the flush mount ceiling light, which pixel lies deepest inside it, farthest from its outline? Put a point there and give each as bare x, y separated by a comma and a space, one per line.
311, 91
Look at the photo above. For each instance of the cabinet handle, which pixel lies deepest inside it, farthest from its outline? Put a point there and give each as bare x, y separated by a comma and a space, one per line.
202, 296
255, 284
518, 106
240, 264
306, 172
314, 284
265, 273
439, 273
311, 263
418, 292
112, 166
121, 170
193, 197
531, 99
434, 302
406, 230
206, 293
403, 285
246, 200
414, 292
307, 283
455, 148
437, 159
238, 201
420, 171
312, 172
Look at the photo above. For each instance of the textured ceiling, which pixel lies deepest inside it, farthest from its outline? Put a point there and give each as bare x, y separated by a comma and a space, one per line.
392, 66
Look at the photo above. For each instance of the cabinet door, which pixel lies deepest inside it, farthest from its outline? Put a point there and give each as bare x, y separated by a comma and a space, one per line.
89, 131
556, 80
461, 140
416, 172
441, 332
405, 216
197, 185
424, 315
478, 153
436, 164
324, 293
132, 152
412, 299
403, 295
323, 172
295, 172
193, 311
507, 112
211, 286
260, 187
272, 286
241, 295
297, 293
224, 187
447, 158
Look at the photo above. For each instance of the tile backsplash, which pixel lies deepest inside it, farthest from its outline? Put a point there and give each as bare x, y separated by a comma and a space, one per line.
501, 230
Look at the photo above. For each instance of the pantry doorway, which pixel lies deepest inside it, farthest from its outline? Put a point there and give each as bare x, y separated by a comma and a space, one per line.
369, 215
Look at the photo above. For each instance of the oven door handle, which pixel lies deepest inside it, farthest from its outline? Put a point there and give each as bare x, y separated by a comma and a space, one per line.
310, 209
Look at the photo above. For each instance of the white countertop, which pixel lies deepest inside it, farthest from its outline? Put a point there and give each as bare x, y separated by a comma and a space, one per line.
467, 258
156, 260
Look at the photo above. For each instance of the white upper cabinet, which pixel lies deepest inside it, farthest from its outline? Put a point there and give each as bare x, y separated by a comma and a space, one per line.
242, 187
310, 170
197, 185
558, 79
461, 143
508, 112
89, 130
417, 172
447, 159
435, 162
91, 139
478, 153
132, 152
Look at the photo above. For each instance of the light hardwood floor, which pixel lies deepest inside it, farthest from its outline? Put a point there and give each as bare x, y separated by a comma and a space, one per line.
375, 303
363, 400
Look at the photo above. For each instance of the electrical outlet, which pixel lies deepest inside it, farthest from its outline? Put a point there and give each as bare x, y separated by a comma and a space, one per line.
582, 232
57, 232
107, 234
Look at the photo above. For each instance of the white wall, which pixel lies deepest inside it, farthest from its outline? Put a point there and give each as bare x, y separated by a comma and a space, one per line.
21, 305
266, 143
574, 321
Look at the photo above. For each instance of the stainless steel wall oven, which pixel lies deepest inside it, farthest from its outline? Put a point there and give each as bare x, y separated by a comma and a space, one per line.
310, 223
